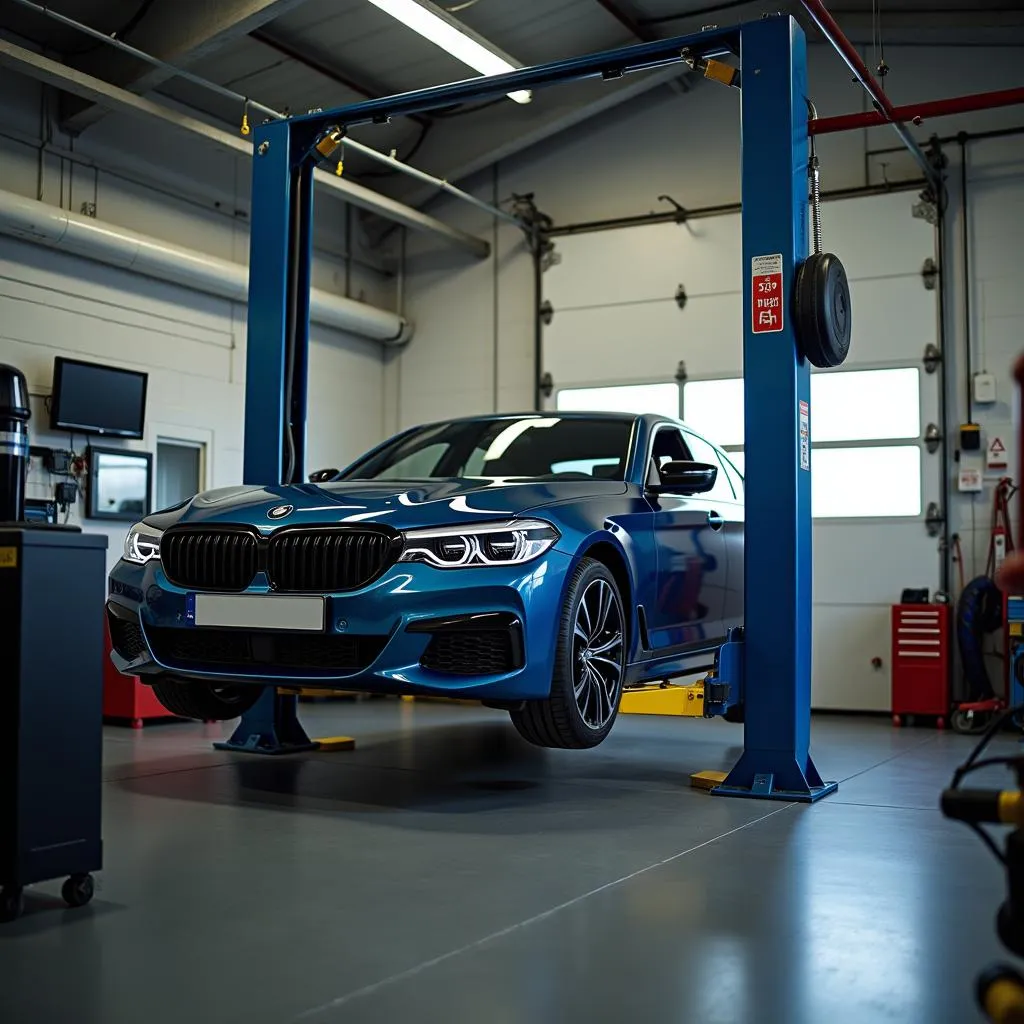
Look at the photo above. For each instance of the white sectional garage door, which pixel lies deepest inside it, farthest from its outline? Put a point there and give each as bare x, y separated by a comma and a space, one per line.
616, 323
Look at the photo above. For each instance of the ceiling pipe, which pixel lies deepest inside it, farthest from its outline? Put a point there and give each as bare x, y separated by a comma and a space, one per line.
245, 103
829, 27
918, 112
49, 226
51, 72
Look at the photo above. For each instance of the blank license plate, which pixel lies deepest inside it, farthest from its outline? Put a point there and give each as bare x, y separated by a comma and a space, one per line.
260, 611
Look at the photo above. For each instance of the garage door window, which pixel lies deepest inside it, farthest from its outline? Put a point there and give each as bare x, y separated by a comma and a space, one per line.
853, 414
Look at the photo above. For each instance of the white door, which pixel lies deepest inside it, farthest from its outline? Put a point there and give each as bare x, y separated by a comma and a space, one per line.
617, 322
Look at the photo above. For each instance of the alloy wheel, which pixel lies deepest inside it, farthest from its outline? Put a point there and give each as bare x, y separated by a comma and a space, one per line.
597, 653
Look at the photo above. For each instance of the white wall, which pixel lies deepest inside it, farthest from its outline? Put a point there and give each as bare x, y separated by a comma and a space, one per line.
995, 225
180, 190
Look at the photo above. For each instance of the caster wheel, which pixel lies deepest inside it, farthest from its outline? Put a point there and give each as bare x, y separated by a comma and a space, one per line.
897, 722
969, 723
12, 902
940, 723
78, 890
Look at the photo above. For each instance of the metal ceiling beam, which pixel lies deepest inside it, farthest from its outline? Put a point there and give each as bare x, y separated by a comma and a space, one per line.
111, 97
500, 144
366, 90
178, 33
627, 21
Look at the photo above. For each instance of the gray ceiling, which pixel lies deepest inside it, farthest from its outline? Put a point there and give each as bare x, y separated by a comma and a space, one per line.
298, 54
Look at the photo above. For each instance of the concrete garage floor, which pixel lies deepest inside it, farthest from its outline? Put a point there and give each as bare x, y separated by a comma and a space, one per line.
447, 872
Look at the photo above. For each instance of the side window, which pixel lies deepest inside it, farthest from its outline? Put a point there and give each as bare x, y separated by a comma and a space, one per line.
668, 446
734, 475
704, 452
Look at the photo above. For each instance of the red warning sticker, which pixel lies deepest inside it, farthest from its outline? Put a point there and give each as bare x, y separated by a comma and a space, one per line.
766, 293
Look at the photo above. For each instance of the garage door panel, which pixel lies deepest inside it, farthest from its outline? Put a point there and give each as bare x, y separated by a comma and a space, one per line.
894, 318
646, 263
643, 341
877, 237
845, 640
871, 562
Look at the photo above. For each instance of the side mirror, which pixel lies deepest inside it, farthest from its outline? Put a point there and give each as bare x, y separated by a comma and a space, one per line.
685, 478
319, 476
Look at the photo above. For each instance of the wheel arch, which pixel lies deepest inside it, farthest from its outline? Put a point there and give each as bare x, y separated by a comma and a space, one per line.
613, 558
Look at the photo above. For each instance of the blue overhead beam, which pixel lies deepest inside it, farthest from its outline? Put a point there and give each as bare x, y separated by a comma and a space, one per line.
608, 64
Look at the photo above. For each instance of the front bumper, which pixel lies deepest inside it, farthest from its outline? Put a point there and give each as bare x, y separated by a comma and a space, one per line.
417, 629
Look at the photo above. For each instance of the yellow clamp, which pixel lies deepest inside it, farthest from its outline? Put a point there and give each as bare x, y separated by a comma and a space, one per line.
1011, 807
245, 129
719, 71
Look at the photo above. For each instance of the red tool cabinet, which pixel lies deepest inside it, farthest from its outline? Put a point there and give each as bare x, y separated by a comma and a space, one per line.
920, 661
125, 699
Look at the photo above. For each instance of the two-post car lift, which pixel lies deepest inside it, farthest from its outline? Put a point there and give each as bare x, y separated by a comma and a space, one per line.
772, 668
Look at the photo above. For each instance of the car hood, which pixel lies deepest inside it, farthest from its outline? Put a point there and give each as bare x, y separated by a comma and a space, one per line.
400, 505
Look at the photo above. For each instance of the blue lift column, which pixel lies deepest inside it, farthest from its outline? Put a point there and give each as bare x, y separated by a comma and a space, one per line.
277, 346
776, 761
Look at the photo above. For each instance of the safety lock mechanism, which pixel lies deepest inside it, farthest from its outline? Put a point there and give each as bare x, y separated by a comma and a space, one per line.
546, 312
933, 519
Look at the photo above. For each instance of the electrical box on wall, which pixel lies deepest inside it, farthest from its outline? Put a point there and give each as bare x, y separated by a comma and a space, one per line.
970, 437
984, 388
969, 478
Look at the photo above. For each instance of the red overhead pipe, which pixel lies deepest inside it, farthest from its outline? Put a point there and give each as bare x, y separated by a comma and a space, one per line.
835, 35
918, 112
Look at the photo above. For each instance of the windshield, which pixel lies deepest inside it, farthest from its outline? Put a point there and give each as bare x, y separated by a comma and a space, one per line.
521, 448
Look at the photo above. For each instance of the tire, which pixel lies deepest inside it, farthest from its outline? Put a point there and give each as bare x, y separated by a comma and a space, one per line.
203, 701
589, 666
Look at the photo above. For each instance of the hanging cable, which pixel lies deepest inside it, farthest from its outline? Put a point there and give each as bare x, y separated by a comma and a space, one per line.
1001, 523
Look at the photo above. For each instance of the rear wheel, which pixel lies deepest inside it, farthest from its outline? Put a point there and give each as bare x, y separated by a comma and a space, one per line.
589, 666
204, 701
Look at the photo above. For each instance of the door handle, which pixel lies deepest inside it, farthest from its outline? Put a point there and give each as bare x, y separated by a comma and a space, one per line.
715, 521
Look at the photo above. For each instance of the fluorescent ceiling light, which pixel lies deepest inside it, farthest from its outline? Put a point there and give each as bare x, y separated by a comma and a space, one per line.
462, 43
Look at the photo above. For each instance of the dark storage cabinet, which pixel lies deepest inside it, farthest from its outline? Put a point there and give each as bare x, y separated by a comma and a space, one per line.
51, 706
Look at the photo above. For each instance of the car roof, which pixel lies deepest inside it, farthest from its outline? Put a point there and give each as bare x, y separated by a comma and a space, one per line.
648, 418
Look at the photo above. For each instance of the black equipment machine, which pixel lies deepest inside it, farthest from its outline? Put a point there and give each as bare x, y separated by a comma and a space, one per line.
14, 417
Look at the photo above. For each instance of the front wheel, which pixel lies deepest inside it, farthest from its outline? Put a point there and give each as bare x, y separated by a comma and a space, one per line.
590, 658
189, 699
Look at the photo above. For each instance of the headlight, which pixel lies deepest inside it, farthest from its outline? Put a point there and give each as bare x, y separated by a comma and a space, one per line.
142, 544
510, 542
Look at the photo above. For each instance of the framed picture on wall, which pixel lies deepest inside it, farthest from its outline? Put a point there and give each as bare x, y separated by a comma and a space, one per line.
118, 484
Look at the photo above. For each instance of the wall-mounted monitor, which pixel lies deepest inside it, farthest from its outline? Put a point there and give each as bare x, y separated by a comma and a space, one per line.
89, 398
118, 484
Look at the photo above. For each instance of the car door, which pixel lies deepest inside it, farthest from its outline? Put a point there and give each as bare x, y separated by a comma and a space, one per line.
689, 597
726, 497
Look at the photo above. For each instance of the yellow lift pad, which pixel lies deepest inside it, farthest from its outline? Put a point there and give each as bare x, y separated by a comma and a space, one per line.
335, 743
664, 700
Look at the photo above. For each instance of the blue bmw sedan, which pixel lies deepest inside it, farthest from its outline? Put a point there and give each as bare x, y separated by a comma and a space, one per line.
538, 563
